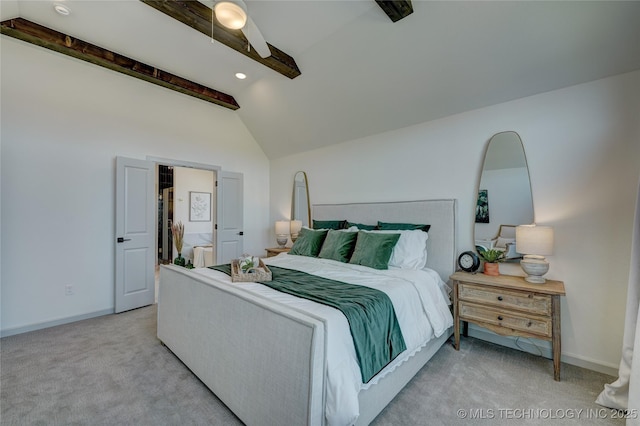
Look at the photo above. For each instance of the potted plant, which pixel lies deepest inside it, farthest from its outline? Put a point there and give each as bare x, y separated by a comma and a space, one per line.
491, 259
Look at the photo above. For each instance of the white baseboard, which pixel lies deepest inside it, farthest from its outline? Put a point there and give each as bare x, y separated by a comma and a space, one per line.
542, 347
39, 326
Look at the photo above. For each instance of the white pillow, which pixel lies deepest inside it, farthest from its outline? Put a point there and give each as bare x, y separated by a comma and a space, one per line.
410, 251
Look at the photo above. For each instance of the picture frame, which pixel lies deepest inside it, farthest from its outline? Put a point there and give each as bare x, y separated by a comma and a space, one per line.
482, 207
199, 206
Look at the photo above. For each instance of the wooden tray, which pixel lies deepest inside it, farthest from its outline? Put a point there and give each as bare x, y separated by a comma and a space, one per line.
255, 276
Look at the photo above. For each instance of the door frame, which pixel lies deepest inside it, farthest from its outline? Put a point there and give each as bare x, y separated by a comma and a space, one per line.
180, 163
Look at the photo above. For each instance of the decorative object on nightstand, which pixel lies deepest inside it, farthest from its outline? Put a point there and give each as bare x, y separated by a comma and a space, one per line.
468, 261
509, 306
534, 242
491, 259
274, 251
295, 227
282, 232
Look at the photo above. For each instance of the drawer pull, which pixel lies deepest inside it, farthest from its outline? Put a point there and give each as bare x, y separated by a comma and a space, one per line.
500, 298
529, 324
500, 318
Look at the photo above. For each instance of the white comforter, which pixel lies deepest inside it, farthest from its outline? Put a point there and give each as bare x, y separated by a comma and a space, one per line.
420, 300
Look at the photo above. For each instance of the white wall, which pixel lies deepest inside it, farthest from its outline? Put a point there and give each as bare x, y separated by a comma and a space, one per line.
583, 149
63, 123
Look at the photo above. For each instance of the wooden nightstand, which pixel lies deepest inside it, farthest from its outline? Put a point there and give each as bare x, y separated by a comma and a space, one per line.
274, 251
509, 306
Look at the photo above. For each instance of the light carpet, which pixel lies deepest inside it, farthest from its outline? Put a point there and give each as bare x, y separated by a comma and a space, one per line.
113, 370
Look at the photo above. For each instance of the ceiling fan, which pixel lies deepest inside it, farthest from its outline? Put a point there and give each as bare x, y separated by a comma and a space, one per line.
233, 15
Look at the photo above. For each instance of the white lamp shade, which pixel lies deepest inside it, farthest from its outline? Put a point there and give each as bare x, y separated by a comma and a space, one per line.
533, 239
282, 227
231, 15
296, 226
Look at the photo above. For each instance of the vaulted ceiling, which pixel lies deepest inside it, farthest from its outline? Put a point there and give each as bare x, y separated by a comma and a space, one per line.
360, 72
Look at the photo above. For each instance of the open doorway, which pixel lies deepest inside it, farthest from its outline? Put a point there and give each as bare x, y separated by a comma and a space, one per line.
165, 213
139, 229
188, 195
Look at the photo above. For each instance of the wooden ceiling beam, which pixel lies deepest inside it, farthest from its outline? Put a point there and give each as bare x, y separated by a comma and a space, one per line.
198, 16
33, 33
396, 9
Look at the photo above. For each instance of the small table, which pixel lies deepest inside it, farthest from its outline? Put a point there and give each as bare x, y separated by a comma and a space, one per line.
274, 251
510, 306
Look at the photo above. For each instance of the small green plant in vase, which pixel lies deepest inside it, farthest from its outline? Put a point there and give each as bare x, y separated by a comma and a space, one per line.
491, 259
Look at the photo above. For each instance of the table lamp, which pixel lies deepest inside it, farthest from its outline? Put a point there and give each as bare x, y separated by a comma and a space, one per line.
282, 232
535, 242
295, 227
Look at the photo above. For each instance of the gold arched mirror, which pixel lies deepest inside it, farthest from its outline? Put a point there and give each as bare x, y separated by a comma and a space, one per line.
300, 205
504, 194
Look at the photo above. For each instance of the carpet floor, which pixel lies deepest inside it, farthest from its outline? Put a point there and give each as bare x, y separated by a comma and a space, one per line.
112, 370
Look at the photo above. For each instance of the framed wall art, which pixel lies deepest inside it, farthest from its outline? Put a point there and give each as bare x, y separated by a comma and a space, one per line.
482, 208
199, 206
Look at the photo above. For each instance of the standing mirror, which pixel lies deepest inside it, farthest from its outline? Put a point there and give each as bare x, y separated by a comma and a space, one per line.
300, 205
504, 195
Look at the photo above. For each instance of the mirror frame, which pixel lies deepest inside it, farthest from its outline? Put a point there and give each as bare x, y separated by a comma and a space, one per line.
482, 169
293, 197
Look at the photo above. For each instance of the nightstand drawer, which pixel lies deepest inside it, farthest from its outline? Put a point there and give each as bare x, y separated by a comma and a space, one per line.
522, 301
507, 319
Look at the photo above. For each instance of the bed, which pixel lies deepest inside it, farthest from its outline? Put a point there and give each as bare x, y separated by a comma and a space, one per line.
271, 358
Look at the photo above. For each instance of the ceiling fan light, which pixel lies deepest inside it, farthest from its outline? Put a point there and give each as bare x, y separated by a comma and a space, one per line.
231, 15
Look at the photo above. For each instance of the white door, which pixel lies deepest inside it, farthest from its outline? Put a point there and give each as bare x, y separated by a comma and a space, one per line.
230, 220
134, 239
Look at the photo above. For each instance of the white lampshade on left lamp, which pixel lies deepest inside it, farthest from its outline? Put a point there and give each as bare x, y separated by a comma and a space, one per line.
282, 232
535, 242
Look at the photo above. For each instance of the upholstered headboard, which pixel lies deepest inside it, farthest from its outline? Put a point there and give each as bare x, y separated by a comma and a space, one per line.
440, 214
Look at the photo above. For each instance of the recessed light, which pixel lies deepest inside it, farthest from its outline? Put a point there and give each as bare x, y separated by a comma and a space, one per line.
62, 9
241, 75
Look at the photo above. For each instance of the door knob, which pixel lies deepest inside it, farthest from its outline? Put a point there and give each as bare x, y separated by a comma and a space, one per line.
122, 240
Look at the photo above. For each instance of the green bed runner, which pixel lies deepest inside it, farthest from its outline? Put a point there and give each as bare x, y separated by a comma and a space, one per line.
374, 327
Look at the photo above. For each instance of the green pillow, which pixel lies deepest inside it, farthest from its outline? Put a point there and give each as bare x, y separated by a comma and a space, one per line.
387, 226
309, 242
374, 250
338, 245
361, 226
329, 224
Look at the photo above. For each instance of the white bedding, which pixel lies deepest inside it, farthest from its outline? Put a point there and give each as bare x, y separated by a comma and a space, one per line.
420, 300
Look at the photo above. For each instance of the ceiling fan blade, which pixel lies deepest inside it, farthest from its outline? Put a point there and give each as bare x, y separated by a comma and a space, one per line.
257, 41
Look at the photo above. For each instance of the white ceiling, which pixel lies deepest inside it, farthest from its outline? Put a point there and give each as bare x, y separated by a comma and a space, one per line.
361, 73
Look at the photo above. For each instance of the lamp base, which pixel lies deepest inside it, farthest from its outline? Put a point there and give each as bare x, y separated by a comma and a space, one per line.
282, 240
535, 279
535, 267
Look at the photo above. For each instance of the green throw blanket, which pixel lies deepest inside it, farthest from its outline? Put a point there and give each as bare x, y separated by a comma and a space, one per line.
374, 327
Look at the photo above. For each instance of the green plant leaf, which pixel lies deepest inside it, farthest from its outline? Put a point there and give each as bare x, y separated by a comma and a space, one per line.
492, 255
